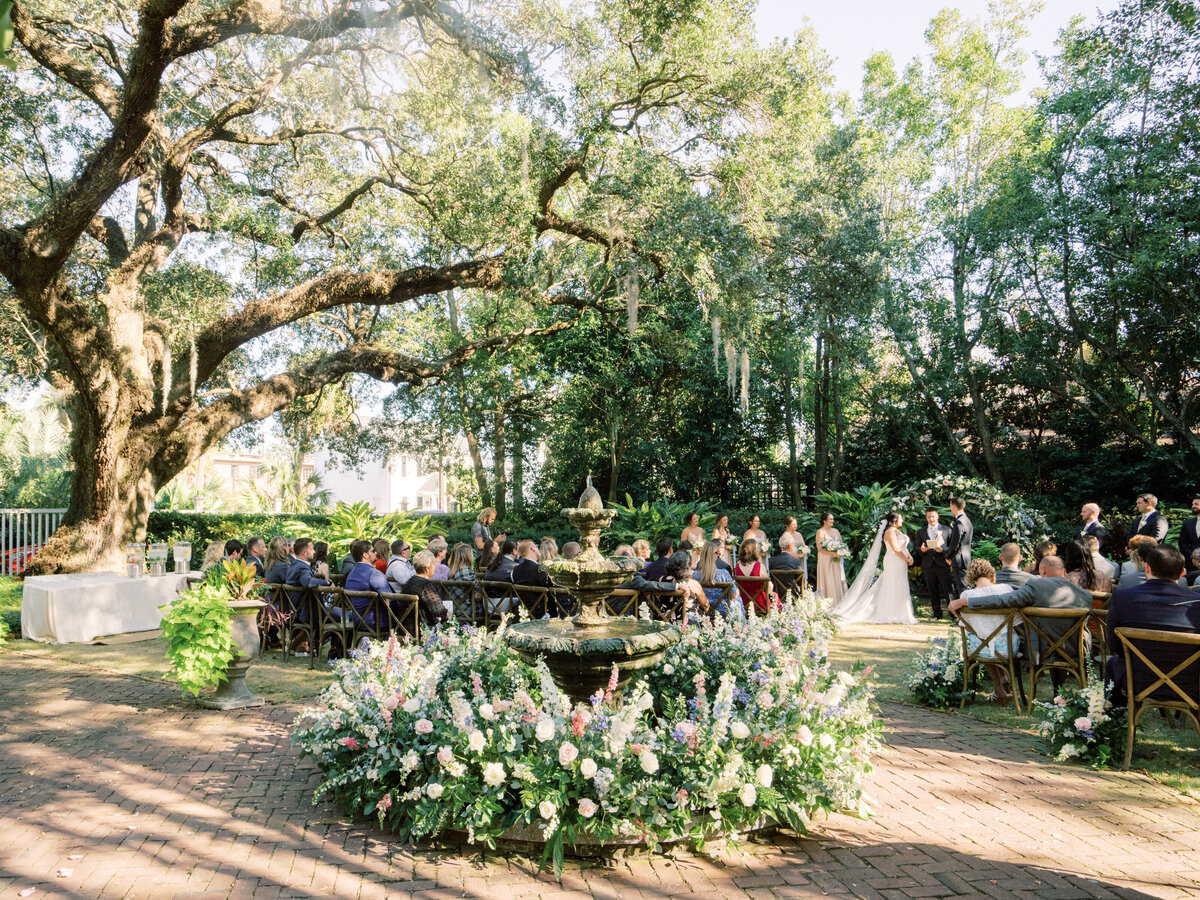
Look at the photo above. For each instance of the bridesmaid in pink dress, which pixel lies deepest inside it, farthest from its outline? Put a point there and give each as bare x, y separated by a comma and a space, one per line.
831, 577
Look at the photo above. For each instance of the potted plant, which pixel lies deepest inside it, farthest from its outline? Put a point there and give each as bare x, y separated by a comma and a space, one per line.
212, 636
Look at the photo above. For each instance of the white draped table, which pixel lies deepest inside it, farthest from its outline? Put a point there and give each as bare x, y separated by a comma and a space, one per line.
74, 608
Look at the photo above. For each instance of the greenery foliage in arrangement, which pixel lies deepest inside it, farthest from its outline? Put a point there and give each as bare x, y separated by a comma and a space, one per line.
654, 520
752, 726
1082, 723
198, 635
348, 522
997, 516
937, 676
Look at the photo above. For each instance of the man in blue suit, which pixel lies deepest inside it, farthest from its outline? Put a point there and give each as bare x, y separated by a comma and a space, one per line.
365, 577
1159, 603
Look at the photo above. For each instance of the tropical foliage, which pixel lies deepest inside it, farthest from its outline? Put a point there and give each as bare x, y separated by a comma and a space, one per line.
654, 520
199, 640
350, 522
459, 733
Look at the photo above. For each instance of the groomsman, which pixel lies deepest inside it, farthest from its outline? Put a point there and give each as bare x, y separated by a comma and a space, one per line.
932, 538
1092, 527
958, 548
1189, 536
1151, 523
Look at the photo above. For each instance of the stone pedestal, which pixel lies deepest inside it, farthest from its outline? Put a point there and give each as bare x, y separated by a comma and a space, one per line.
233, 693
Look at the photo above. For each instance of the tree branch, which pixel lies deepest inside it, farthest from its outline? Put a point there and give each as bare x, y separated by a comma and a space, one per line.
46, 48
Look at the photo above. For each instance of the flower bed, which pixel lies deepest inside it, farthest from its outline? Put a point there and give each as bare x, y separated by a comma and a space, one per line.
750, 726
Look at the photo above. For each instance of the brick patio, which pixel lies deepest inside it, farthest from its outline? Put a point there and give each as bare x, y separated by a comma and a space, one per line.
111, 786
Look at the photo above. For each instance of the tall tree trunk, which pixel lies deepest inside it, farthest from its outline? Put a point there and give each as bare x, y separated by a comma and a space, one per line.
820, 416
518, 468
839, 426
500, 461
790, 429
464, 408
616, 432
965, 347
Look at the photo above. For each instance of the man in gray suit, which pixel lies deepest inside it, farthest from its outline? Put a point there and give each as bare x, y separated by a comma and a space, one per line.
1010, 571
1051, 590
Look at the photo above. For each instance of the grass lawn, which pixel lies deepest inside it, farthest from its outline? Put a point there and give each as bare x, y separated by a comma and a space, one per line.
1169, 755
10, 603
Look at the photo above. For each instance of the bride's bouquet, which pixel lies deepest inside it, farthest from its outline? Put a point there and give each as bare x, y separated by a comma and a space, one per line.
833, 545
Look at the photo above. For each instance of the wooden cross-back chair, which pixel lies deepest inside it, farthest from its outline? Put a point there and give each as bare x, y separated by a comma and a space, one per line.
1162, 670
994, 630
729, 594
403, 614
1048, 654
788, 582
333, 617
665, 606
622, 602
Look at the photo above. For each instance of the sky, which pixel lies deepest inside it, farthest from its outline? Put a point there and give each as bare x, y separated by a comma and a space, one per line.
851, 30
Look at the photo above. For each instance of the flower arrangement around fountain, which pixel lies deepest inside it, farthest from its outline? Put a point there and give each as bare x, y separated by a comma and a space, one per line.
742, 725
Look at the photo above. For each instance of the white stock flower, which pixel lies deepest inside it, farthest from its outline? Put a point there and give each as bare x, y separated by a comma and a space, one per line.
434, 790
748, 795
765, 775
546, 809
567, 753
740, 730
765, 700
649, 762
587, 767
545, 729
476, 741
827, 741
493, 774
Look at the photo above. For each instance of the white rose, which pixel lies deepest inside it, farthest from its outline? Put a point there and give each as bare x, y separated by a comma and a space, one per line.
649, 762
545, 729
587, 808
476, 741
444, 755
748, 795
493, 774
546, 809
740, 730
411, 705
567, 753
588, 767
486, 711
765, 775
668, 669
827, 741
434, 790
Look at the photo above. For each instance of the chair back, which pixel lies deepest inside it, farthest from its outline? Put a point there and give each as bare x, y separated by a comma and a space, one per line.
728, 593
403, 614
621, 602
1058, 640
665, 606
990, 636
1161, 666
788, 582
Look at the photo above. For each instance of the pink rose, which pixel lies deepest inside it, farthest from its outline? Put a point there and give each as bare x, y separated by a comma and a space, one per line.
1083, 723
587, 808
423, 726
350, 742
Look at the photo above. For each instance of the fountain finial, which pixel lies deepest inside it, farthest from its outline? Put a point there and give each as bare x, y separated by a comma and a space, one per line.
590, 498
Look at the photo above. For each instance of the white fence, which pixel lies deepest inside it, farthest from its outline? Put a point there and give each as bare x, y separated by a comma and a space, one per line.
23, 532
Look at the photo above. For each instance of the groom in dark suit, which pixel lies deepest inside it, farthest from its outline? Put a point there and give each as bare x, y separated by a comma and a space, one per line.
958, 547
932, 538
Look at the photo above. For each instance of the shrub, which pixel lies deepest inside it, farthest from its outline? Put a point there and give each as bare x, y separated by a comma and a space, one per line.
200, 529
662, 518
988, 550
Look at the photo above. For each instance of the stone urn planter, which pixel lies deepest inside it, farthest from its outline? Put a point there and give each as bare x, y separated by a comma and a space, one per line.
233, 693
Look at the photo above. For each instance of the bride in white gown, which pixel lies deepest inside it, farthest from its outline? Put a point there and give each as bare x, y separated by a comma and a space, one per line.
885, 599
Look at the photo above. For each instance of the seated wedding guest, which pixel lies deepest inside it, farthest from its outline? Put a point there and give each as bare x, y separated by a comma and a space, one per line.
501, 568
788, 560
981, 581
708, 573
526, 570
1105, 568
399, 568
320, 560
749, 565
1159, 603
381, 554
754, 533
679, 573
429, 598
365, 577
461, 588
300, 573
694, 552
641, 550
346, 566
277, 560
437, 546
1193, 577
213, 556
1081, 569
657, 570
571, 549
1041, 550
691, 530
625, 550
234, 549
549, 548
721, 531
1051, 589
256, 549
1010, 567
489, 555
1137, 542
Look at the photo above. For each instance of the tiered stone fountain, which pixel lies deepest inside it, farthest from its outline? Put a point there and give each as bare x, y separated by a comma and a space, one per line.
581, 651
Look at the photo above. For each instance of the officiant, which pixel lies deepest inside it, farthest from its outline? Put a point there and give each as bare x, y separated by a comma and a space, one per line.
931, 540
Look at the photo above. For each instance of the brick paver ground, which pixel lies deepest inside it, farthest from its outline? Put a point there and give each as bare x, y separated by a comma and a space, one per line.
111, 786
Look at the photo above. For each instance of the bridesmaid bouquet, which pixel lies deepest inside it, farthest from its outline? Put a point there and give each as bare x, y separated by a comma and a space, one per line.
835, 546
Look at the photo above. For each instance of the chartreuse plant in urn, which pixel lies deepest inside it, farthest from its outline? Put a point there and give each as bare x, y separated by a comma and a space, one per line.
745, 724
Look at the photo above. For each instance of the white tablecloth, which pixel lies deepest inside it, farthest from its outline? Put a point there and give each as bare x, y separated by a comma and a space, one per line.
73, 608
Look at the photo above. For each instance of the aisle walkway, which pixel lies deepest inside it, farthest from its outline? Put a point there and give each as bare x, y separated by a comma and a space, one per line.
111, 786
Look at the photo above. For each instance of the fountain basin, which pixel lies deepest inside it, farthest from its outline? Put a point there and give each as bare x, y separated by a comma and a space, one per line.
581, 659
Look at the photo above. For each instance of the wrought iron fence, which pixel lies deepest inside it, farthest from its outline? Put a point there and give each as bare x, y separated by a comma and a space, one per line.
23, 532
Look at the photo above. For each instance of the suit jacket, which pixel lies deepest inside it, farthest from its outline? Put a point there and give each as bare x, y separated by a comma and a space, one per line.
657, 570
526, 571
1099, 532
1130, 580
1189, 539
503, 571
1156, 603
1051, 593
300, 572
934, 559
1156, 526
958, 548
1015, 577
785, 562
